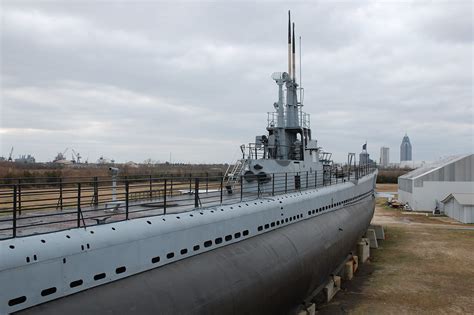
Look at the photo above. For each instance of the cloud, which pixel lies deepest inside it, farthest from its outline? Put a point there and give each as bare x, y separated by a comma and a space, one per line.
137, 80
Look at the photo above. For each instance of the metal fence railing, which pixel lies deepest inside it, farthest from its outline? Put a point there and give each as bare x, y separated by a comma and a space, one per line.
42, 207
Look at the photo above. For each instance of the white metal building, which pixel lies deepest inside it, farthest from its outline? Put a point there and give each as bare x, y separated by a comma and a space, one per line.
423, 187
460, 207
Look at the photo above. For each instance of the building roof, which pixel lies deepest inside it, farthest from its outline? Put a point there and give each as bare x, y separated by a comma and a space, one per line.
462, 199
434, 166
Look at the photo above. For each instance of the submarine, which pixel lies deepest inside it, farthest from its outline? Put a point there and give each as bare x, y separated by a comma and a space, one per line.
296, 222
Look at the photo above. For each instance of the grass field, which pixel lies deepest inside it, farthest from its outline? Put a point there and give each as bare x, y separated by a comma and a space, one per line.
425, 266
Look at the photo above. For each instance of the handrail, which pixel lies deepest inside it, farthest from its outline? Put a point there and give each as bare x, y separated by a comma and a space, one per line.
27, 210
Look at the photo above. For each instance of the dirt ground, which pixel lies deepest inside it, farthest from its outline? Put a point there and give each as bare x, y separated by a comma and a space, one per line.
387, 187
425, 266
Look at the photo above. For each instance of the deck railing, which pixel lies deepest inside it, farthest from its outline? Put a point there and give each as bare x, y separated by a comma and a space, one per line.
36, 208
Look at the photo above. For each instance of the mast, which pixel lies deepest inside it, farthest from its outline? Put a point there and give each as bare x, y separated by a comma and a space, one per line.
289, 43
293, 55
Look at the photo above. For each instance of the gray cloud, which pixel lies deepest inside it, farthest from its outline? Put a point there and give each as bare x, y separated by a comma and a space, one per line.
138, 80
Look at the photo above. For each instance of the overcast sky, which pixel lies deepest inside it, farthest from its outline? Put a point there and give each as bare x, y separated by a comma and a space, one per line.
138, 80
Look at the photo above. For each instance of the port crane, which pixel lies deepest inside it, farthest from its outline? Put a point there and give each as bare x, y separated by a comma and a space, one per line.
76, 157
10, 159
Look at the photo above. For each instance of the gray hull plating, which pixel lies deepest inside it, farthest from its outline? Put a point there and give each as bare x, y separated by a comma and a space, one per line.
267, 274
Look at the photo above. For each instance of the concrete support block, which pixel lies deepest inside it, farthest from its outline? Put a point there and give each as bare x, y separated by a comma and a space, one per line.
355, 259
348, 272
379, 231
333, 286
363, 250
372, 238
309, 310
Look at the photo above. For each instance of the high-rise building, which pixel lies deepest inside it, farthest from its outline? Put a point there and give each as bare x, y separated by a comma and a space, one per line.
384, 156
405, 149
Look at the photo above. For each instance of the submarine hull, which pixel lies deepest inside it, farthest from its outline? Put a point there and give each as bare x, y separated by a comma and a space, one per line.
266, 274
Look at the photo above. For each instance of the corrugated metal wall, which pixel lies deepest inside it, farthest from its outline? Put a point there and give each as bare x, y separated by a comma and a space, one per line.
405, 184
459, 171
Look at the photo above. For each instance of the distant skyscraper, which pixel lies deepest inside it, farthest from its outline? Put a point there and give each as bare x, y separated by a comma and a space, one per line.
405, 149
384, 156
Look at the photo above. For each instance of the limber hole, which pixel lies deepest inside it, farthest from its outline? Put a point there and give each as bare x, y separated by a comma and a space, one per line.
75, 283
48, 291
120, 270
17, 301
156, 259
99, 276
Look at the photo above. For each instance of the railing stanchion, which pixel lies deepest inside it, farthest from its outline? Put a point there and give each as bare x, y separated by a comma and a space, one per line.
286, 183
78, 204
222, 186
164, 199
241, 188
207, 182
150, 184
61, 193
336, 175
196, 192
14, 209
307, 179
316, 179
96, 193
273, 184
19, 196
127, 187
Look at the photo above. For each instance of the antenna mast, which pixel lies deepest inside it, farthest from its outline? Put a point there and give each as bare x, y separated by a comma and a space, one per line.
301, 81
289, 44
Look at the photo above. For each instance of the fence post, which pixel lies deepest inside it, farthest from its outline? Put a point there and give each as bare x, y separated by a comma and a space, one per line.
286, 182
222, 186
164, 199
196, 192
96, 192
19, 196
126, 198
61, 193
78, 204
14, 209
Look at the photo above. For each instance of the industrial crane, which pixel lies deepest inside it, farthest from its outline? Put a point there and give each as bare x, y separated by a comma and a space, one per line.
76, 157
10, 156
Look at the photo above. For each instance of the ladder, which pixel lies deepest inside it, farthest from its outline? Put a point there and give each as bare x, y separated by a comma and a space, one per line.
232, 175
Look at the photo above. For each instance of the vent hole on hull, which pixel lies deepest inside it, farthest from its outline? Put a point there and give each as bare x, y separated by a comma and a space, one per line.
17, 301
207, 243
75, 283
170, 255
99, 276
48, 291
155, 260
120, 270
